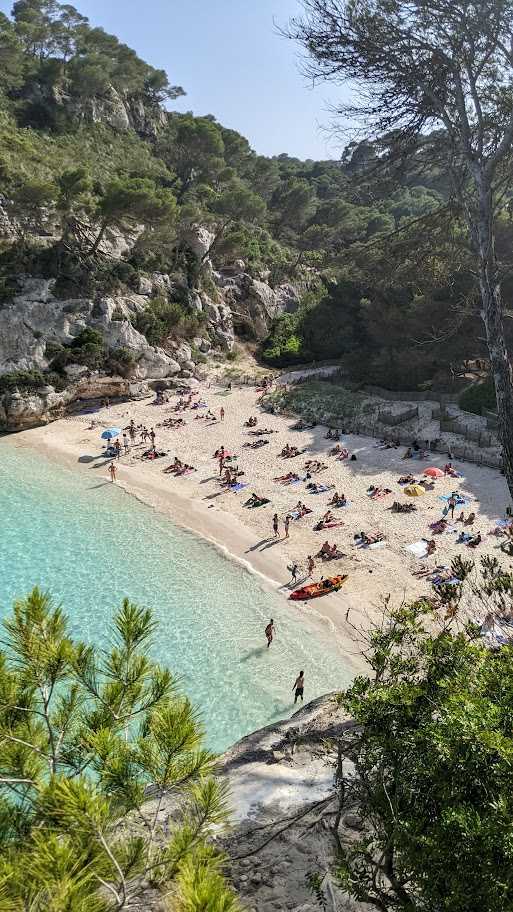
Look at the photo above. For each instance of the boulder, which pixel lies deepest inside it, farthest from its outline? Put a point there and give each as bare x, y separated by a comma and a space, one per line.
183, 353
189, 365
145, 286
195, 302
199, 240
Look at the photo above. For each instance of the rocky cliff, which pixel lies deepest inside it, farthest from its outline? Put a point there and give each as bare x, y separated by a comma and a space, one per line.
284, 802
35, 319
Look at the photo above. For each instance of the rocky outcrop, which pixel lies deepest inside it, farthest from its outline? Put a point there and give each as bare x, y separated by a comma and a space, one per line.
282, 796
35, 317
254, 303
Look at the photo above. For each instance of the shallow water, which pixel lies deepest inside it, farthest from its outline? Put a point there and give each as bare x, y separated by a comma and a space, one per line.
91, 545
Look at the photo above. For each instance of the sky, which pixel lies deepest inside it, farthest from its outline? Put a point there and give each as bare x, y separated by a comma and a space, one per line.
230, 60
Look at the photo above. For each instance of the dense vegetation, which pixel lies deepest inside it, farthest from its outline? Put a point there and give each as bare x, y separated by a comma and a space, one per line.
83, 733
381, 258
433, 755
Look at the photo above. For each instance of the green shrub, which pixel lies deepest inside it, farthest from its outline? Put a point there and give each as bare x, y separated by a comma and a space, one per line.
28, 381
479, 396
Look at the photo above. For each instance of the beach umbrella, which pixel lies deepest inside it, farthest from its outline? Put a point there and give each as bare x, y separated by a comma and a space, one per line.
414, 490
110, 433
433, 472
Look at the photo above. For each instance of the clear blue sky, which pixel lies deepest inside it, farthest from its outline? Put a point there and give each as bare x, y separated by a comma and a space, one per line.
232, 64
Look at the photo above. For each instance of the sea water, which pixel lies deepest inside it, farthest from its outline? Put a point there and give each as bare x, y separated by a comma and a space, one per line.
91, 545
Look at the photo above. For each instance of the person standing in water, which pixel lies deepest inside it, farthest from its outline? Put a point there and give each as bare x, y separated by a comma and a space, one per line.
299, 686
269, 632
112, 472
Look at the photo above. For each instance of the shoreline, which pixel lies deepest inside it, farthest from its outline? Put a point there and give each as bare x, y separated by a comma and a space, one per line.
220, 530
197, 503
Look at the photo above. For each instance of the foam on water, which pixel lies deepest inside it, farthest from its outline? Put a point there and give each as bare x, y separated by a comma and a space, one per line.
91, 545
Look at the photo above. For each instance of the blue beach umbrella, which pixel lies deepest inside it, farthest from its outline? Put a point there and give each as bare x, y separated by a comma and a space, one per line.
110, 433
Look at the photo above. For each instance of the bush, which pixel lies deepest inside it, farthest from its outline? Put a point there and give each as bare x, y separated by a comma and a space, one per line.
478, 397
28, 381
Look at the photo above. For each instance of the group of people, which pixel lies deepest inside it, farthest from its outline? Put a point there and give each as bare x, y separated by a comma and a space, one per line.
299, 684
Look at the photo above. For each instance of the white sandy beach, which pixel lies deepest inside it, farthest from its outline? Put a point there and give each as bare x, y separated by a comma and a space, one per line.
197, 502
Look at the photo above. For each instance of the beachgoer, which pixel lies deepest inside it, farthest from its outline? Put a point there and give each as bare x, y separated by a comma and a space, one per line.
125, 443
299, 686
152, 437
117, 447
221, 414
275, 525
112, 472
293, 572
311, 565
269, 632
286, 525
452, 503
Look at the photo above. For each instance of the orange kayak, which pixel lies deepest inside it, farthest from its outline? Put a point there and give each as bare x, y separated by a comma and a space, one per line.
315, 590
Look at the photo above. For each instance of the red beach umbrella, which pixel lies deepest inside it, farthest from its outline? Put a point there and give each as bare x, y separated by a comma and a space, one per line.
433, 472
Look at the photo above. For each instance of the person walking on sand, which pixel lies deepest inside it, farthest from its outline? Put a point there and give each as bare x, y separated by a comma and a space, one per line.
152, 438
275, 525
293, 572
269, 632
451, 503
117, 447
131, 431
112, 472
286, 526
299, 686
125, 444
221, 414
311, 565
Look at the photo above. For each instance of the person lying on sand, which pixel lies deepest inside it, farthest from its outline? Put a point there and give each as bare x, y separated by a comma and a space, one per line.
338, 500
314, 466
263, 432
406, 479
256, 445
256, 501
439, 526
290, 476
403, 508
371, 538
376, 491
344, 454
288, 452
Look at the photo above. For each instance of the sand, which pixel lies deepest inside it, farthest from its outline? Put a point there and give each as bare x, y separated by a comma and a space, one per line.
198, 503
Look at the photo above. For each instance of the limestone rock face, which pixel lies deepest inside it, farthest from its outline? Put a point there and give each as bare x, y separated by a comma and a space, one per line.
254, 304
199, 240
35, 317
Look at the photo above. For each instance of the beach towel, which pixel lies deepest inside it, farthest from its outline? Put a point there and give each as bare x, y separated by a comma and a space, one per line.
321, 489
238, 487
418, 548
460, 500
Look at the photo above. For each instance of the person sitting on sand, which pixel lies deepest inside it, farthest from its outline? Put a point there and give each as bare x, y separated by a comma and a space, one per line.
173, 467
431, 547
475, 541
335, 450
470, 519
406, 479
344, 454
328, 517
324, 549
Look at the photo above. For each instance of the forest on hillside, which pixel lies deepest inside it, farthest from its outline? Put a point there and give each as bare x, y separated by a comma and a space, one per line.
377, 246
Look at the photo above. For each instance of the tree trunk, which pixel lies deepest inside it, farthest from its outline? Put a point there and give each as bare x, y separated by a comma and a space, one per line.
492, 316
99, 239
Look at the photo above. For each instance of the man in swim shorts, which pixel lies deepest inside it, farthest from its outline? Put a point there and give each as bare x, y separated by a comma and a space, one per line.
269, 632
299, 685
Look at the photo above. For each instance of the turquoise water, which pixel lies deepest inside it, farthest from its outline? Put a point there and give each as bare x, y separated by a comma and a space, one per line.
91, 545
